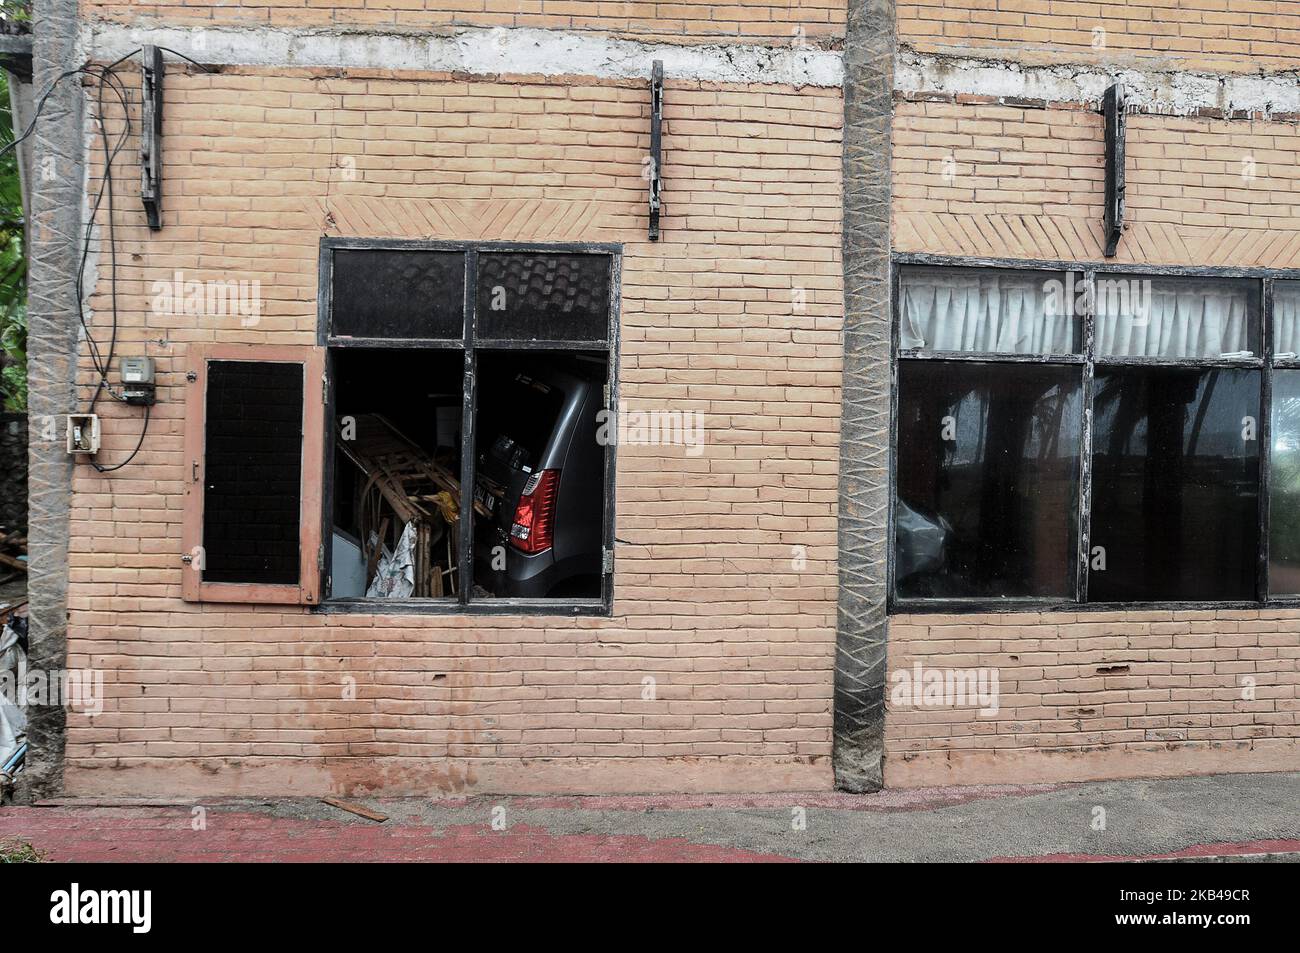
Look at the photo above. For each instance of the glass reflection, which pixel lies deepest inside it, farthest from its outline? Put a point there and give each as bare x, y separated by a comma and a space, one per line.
987, 482
1284, 487
1175, 484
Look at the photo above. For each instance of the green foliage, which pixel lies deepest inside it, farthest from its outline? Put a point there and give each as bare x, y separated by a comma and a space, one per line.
19, 852
13, 270
15, 16
13, 375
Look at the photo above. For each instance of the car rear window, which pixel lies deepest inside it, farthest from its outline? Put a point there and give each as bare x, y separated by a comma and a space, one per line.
523, 409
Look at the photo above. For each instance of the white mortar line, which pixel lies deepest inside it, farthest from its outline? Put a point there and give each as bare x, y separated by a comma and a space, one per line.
1164, 92
478, 52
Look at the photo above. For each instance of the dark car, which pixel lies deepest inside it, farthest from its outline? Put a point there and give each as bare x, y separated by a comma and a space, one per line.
921, 548
541, 474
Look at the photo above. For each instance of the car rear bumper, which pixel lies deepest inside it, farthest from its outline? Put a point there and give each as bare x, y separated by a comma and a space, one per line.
525, 576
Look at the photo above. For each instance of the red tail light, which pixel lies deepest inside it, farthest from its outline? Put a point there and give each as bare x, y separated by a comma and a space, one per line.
534, 523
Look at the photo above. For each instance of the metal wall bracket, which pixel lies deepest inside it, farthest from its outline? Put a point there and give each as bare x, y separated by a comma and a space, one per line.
1113, 108
151, 98
656, 146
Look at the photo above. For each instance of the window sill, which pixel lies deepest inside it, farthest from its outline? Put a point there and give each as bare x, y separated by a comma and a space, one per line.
451, 607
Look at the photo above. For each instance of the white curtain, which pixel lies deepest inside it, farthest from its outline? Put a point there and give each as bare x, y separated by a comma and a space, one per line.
1171, 317
982, 311
1286, 320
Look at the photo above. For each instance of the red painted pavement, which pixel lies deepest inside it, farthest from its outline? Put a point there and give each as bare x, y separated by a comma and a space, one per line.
125, 835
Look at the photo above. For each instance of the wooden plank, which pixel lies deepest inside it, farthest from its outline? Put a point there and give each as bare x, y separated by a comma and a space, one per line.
357, 809
372, 564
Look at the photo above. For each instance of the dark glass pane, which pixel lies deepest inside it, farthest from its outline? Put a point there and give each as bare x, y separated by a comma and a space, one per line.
398, 294
1175, 484
1176, 317
543, 297
989, 311
1284, 487
988, 464
252, 475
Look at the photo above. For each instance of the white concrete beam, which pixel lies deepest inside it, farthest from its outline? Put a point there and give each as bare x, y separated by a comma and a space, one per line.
477, 52
1153, 91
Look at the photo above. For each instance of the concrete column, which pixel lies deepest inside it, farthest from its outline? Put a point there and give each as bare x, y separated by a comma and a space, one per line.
55, 220
862, 626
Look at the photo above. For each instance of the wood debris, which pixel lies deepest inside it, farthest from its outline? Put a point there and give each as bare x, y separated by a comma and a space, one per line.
13, 552
357, 809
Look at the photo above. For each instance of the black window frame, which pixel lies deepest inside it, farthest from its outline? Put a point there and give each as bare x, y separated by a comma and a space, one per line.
470, 345
1088, 361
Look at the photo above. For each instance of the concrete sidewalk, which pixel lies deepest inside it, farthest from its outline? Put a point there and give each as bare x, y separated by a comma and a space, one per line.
1232, 816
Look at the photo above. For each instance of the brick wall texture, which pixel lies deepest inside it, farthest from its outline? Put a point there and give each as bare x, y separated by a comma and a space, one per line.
989, 179
735, 313
1211, 35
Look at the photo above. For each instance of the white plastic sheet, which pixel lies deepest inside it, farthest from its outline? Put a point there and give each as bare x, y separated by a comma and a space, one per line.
395, 574
13, 720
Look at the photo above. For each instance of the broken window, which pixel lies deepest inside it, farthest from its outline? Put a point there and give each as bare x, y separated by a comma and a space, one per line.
539, 476
466, 465
1095, 437
396, 489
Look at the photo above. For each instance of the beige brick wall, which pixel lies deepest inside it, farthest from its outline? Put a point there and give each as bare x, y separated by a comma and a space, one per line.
743, 20
1096, 694
1211, 35
989, 179
1100, 695
221, 699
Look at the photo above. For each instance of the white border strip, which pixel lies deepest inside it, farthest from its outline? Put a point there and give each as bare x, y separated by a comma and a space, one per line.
477, 52
1165, 93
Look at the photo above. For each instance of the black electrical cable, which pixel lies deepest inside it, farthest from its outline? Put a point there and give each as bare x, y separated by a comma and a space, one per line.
40, 106
168, 49
144, 429
104, 73
104, 364
99, 364
107, 77
110, 79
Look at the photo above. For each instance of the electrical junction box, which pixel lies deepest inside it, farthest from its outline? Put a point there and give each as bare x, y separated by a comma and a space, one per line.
83, 433
138, 380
